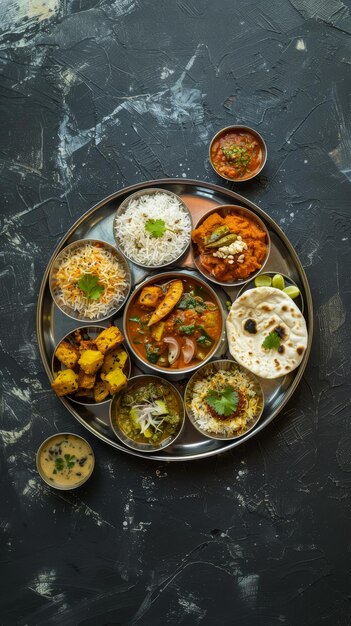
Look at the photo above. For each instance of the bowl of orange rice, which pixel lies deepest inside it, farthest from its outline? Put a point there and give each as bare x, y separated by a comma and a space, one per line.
89, 280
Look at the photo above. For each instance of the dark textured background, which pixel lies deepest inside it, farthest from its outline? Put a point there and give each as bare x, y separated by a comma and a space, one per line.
96, 95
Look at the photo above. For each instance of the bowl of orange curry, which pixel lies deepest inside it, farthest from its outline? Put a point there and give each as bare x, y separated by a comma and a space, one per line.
173, 323
230, 245
238, 153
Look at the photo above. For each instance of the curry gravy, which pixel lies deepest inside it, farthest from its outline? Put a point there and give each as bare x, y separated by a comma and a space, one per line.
65, 461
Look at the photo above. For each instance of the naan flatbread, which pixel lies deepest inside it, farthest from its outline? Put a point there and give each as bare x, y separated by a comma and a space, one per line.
255, 314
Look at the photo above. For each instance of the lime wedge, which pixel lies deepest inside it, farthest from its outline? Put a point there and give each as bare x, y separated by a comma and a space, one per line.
278, 281
292, 291
263, 281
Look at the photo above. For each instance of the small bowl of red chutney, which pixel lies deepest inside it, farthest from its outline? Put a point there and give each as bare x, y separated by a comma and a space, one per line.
238, 153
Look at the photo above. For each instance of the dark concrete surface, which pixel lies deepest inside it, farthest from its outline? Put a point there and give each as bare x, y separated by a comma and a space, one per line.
97, 95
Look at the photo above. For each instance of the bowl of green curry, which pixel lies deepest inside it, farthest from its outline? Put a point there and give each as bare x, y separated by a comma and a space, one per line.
148, 414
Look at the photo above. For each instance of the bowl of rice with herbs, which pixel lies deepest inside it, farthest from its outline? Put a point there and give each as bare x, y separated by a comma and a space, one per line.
223, 400
152, 228
89, 280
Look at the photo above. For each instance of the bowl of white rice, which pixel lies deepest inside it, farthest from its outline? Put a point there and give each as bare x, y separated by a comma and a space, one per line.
152, 228
223, 400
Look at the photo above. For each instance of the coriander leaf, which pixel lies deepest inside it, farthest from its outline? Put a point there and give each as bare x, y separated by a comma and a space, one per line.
272, 341
186, 330
89, 284
135, 319
59, 464
188, 301
204, 338
224, 401
156, 228
152, 355
70, 460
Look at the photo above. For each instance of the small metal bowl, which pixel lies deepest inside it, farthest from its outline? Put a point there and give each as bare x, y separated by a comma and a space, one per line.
223, 210
56, 365
122, 209
45, 478
55, 293
114, 412
162, 279
210, 370
288, 282
260, 140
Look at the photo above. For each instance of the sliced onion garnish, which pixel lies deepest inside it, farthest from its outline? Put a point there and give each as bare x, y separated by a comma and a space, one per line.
211, 305
188, 350
173, 350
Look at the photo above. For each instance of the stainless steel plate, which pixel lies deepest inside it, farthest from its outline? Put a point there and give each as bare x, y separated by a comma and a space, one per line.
97, 223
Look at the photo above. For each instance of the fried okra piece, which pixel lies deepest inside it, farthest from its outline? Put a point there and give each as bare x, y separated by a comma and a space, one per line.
86, 381
65, 382
150, 297
90, 361
114, 359
109, 339
115, 380
67, 354
101, 391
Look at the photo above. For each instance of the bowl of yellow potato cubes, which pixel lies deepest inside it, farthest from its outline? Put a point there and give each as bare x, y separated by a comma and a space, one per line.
90, 364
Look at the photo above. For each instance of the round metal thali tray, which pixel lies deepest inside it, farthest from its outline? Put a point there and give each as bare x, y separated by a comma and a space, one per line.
97, 223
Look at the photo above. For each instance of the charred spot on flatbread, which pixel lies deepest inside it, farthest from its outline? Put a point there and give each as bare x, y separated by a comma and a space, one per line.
266, 308
281, 349
284, 307
281, 332
270, 322
250, 326
277, 364
300, 350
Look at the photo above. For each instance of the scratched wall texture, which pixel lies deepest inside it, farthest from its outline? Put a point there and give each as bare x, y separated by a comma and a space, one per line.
99, 94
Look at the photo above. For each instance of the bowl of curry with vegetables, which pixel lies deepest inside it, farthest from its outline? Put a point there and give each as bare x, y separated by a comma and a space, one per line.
238, 153
173, 323
148, 414
230, 245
